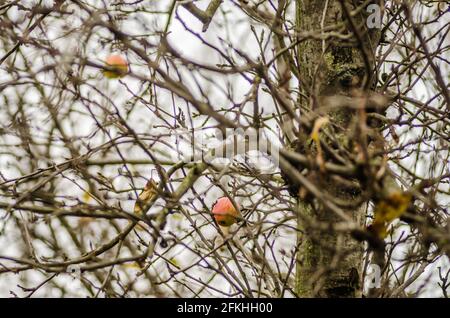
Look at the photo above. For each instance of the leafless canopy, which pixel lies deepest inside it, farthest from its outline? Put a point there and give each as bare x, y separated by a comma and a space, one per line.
78, 148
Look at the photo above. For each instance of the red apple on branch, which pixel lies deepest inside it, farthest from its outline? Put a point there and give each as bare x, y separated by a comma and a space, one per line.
225, 213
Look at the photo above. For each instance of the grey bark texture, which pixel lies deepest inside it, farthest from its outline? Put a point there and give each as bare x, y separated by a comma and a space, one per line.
329, 263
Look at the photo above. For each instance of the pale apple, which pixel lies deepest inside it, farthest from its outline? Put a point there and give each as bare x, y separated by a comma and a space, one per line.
117, 66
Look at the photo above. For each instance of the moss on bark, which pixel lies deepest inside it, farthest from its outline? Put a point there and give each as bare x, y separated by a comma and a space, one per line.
329, 263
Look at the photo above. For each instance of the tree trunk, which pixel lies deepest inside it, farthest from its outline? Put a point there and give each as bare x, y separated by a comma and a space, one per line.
329, 263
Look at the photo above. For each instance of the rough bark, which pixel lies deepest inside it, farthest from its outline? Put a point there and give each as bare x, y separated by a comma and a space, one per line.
329, 263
